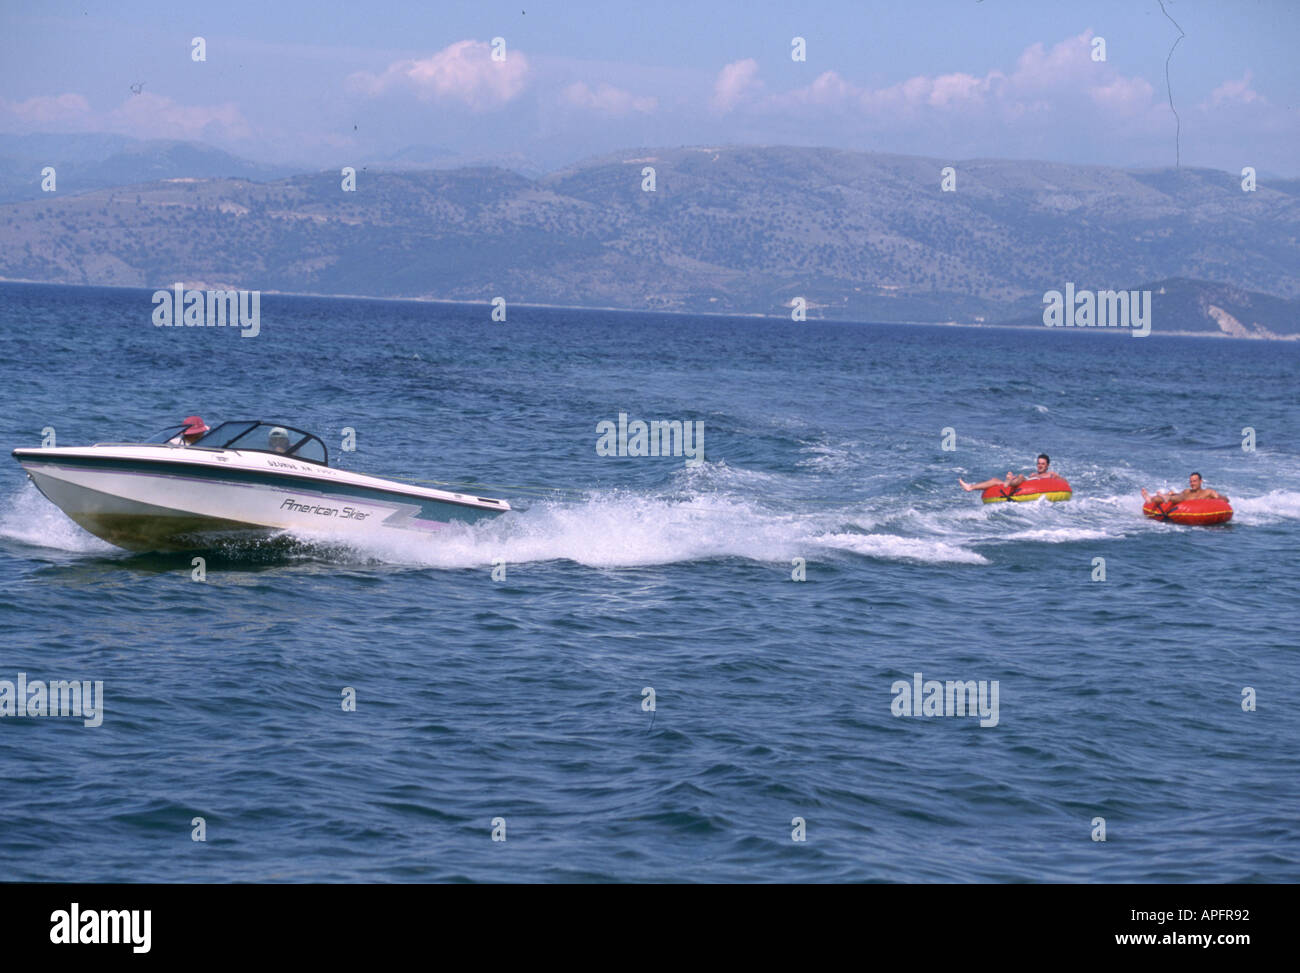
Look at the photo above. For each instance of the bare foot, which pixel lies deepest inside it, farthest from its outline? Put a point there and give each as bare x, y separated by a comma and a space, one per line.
964, 485
1146, 496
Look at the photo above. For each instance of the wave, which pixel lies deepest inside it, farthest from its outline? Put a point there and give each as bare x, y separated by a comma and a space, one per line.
31, 519
1061, 535
1271, 507
716, 511
626, 528
894, 547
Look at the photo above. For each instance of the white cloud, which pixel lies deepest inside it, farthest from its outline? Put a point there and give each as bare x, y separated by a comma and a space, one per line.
145, 116
154, 116
1232, 93
46, 109
1125, 96
463, 73
736, 82
1065, 70
607, 99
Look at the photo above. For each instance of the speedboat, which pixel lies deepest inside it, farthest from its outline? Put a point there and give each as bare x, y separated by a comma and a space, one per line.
191, 487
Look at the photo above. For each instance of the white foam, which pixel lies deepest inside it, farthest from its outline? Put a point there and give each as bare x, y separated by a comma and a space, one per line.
893, 547
28, 517
1274, 505
715, 511
827, 457
1061, 535
719, 476
628, 529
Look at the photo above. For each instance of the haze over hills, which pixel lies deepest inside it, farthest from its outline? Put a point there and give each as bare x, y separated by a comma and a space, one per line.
861, 236
86, 162
98, 161
414, 157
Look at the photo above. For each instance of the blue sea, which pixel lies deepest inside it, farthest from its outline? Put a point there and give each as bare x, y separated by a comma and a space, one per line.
647, 694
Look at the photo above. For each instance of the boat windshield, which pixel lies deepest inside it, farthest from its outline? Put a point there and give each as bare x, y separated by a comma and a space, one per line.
167, 435
266, 437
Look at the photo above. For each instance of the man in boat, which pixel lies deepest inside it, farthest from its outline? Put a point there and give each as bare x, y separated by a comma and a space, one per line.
193, 431
278, 439
1195, 491
1014, 480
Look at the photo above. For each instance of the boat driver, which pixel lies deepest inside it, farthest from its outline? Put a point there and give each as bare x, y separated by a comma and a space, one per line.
194, 429
1195, 491
1014, 480
278, 440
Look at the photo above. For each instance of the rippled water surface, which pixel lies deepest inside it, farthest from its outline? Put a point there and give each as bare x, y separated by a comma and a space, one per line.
522, 698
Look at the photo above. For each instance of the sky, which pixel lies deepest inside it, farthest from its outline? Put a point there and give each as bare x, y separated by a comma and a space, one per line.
334, 83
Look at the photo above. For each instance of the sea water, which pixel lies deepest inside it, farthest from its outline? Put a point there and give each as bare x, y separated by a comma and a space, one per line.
656, 668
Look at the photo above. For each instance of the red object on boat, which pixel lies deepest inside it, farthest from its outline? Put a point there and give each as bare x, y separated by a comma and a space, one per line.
1206, 510
1051, 487
194, 426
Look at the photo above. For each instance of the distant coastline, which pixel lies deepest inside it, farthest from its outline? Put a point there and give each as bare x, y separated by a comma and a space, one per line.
996, 326
745, 231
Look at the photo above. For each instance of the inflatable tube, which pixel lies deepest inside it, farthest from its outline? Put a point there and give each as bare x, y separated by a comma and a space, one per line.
1203, 511
1051, 487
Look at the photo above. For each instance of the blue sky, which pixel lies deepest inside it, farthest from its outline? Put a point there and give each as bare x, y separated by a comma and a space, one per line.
330, 83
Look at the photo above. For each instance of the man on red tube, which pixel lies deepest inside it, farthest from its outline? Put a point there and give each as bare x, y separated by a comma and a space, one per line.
1014, 480
1195, 491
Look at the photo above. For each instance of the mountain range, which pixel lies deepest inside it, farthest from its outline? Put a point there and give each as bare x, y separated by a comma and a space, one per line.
858, 236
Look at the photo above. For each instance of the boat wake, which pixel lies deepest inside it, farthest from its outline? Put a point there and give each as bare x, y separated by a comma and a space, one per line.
627, 528
28, 518
707, 513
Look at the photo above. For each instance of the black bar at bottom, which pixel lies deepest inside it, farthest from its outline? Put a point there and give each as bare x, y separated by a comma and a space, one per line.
337, 922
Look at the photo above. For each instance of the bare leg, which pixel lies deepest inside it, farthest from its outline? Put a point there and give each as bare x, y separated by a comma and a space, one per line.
982, 485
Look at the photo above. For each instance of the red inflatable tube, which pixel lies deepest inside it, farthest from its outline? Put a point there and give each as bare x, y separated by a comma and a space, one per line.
1203, 511
1051, 487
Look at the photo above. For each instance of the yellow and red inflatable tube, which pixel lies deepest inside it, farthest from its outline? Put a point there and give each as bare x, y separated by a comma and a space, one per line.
1052, 487
1206, 510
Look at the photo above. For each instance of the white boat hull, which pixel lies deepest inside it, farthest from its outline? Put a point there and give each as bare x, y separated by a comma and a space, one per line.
168, 498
